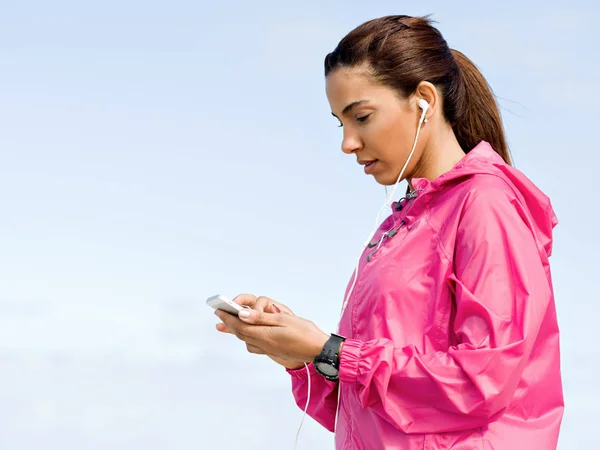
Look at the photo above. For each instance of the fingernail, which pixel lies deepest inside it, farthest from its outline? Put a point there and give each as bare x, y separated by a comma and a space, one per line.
244, 314
276, 308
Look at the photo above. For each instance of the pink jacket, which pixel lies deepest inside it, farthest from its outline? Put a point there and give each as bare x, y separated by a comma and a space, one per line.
452, 336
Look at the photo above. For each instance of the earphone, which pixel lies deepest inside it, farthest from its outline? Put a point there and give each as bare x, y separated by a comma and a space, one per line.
424, 105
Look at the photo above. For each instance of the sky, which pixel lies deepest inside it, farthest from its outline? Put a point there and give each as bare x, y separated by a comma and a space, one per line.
153, 154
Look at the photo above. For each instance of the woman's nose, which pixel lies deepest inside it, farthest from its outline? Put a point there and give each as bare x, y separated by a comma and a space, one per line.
351, 144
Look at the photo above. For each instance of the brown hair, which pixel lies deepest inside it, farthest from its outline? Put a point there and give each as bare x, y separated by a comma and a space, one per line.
402, 51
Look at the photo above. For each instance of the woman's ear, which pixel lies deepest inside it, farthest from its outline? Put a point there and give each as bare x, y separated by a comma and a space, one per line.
429, 93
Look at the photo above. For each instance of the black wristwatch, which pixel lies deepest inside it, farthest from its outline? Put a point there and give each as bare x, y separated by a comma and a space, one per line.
327, 363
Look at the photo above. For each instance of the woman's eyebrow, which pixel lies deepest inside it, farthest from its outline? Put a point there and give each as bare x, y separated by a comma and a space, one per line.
350, 106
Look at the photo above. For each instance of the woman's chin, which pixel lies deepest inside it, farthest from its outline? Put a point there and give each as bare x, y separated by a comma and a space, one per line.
384, 179
387, 177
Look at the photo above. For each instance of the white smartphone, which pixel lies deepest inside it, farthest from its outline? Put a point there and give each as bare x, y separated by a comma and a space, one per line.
223, 303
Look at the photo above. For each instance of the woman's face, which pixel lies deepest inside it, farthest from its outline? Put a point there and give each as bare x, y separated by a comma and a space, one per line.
379, 126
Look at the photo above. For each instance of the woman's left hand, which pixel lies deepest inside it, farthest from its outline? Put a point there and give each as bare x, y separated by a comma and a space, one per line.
282, 335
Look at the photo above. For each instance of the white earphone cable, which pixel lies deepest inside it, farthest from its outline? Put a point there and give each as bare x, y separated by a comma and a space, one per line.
424, 106
305, 408
388, 202
385, 206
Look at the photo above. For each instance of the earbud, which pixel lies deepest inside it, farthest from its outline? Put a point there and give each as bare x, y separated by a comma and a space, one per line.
424, 105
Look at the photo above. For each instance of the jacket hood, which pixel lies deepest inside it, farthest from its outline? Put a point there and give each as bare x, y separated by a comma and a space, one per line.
482, 159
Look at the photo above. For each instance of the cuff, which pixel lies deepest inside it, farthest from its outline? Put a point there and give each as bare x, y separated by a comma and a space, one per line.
349, 359
301, 373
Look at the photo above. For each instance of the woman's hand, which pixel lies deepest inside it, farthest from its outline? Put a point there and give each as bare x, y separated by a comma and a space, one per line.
264, 304
272, 329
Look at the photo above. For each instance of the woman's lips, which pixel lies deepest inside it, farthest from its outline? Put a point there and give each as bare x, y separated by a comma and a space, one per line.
370, 167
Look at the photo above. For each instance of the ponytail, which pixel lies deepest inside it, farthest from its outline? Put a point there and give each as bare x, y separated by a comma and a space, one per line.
478, 117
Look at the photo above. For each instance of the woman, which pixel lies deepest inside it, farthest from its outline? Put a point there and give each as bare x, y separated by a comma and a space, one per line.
448, 336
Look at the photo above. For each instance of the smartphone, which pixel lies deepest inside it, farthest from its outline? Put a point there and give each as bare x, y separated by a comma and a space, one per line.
223, 303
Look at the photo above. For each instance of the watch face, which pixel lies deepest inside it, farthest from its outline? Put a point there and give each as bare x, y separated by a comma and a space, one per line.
327, 369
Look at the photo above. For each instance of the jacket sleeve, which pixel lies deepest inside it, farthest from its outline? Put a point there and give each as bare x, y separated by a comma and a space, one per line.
502, 292
323, 395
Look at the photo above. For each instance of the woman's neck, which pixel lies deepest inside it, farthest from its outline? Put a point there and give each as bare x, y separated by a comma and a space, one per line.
442, 153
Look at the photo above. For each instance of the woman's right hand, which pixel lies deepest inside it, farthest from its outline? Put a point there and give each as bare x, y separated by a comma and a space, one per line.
265, 304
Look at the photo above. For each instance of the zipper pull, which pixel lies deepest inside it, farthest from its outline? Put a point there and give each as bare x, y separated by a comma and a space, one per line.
394, 231
378, 244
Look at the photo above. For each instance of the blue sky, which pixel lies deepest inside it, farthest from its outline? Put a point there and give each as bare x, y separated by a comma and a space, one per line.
154, 154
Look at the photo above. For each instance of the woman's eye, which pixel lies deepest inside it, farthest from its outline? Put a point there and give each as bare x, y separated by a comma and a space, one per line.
363, 118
